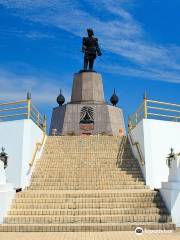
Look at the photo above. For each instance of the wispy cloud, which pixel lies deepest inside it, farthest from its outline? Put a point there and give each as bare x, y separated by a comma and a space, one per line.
15, 86
117, 29
148, 73
34, 35
37, 35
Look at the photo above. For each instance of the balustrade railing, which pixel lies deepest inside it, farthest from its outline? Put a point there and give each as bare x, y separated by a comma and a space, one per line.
153, 109
22, 109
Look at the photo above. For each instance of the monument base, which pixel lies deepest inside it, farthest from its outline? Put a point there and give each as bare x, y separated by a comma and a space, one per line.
106, 119
87, 113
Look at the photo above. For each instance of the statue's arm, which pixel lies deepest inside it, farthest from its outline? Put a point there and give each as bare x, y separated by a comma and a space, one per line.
84, 45
99, 53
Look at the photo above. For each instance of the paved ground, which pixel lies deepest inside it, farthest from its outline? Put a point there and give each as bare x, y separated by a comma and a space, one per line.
90, 236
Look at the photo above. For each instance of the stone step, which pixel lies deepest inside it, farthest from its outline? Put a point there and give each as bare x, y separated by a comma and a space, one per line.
129, 176
86, 194
73, 178
87, 219
122, 177
103, 168
87, 181
58, 177
70, 154
82, 163
88, 200
82, 146
59, 174
74, 160
81, 166
66, 186
77, 170
85, 155
84, 139
81, 142
78, 180
88, 211
96, 171
85, 150
80, 159
115, 180
90, 227
103, 205
84, 186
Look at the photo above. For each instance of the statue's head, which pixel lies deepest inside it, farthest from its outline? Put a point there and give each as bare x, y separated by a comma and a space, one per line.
90, 32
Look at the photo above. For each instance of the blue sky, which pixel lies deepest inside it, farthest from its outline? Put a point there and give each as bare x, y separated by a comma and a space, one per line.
40, 43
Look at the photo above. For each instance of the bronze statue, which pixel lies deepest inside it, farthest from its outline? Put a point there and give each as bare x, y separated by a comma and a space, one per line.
90, 48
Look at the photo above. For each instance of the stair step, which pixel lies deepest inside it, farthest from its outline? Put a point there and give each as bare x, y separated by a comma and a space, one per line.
88, 200
86, 194
87, 205
87, 219
84, 187
90, 227
87, 211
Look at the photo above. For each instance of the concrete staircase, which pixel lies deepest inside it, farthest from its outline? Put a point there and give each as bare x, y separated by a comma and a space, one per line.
87, 184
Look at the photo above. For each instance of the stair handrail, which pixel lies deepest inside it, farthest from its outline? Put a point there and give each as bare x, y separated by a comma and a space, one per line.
120, 150
138, 147
37, 149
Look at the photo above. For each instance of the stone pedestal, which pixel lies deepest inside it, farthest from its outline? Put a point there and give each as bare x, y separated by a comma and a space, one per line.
87, 113
171, 191
2, 173
88, 88
7, 193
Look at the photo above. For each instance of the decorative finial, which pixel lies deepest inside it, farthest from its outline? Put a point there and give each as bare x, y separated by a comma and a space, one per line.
114, 99
60, 99
28, 95
145, 95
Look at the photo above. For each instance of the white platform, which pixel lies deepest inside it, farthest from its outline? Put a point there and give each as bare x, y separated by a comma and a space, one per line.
156, 138
19, 139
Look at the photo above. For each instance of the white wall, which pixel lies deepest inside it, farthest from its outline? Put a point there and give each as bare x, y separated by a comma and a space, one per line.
156, 137
19, 139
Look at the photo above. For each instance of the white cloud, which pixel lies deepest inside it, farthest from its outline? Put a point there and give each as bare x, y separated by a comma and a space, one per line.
44, 90
119, 33
148, 73
37, 35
